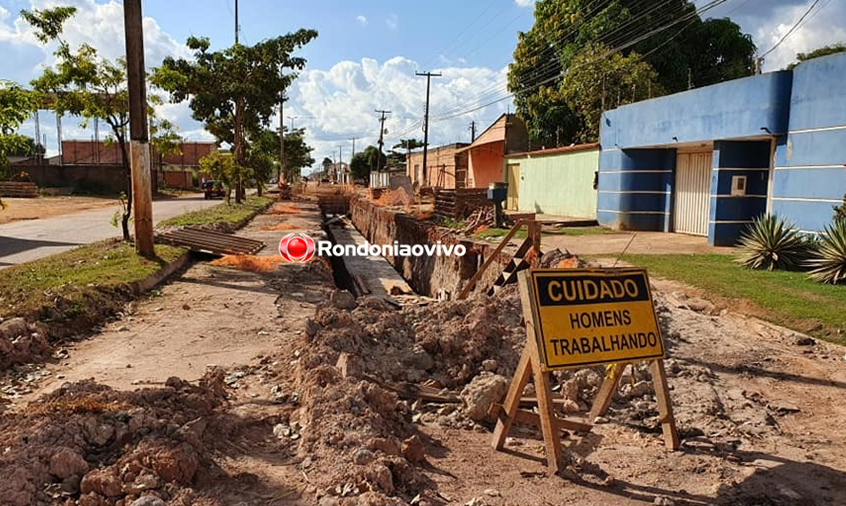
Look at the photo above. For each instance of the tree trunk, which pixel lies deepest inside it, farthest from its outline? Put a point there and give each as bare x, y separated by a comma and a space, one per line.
127, 210
239, 149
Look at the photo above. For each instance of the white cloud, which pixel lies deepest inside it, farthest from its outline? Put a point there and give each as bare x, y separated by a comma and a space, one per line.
820, 28
340, 103
362, 19
392, 21
525, 3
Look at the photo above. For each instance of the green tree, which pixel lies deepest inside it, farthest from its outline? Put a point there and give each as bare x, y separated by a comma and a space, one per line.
85, 85
297, 154
234, 91
365, 162
839, 47
222, 168
691, 51
596, 83
16, 104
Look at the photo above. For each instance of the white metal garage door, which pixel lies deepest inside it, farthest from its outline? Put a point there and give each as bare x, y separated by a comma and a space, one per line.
693, 193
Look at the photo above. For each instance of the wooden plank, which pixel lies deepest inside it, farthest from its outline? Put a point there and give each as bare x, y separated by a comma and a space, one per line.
526, 417
665, 406
488, 261
512, 399
546, 412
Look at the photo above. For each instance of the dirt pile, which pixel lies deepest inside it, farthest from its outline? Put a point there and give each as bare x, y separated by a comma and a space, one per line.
21, 342
91, 444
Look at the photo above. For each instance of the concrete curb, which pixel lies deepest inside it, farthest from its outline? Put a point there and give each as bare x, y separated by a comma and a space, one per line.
148, 283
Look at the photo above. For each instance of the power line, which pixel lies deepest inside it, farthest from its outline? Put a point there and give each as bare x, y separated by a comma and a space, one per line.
793, 28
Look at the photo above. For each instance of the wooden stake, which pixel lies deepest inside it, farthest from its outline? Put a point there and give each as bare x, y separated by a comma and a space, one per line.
512, 399
665, 406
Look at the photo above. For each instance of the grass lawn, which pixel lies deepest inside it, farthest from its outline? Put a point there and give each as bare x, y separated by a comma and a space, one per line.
231, 214
74, 280
786, 298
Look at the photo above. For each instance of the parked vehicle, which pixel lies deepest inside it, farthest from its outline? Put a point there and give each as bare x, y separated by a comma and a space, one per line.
212, 189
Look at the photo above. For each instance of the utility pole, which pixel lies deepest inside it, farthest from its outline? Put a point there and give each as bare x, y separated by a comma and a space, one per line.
341, 158
237, 27
353, 139
428, 76
292, 118
381, 139
139, 144
472, 131
282, 141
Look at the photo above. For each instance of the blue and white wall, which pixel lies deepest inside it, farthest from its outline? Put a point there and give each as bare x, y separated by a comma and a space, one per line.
785, 131
809, 177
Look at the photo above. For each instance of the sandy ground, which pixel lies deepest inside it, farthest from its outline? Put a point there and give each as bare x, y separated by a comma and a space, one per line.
45, 207
759, 413
649, 243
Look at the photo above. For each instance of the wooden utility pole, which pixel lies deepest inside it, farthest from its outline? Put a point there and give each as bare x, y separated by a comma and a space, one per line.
428, 76
139, 144
472, 131
283, 174
381, 139
353, 139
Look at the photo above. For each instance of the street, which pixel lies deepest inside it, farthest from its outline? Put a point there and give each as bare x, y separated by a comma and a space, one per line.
24, 241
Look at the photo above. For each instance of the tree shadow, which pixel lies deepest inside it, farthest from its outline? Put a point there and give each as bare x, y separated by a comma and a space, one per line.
13, 245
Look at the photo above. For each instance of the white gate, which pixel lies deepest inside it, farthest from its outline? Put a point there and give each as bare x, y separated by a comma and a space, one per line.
692, 193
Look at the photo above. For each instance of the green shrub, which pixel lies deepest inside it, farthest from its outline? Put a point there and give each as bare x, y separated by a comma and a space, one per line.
840, 211
828, 264
771, 243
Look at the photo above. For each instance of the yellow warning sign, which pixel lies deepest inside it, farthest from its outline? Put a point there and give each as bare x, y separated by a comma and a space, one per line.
593, 316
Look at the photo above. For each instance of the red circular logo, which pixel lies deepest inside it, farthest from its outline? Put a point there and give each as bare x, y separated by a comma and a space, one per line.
296, 247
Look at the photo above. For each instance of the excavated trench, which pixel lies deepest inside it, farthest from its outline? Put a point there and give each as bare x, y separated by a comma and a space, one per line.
434, 276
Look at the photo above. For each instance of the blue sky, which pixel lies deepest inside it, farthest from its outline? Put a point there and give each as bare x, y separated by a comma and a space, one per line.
366, 55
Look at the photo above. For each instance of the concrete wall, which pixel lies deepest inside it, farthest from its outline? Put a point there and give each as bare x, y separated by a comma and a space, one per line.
808, 174
635, 188
485, 164
730, 215
736, 109
447, 168
85, 178
558, 181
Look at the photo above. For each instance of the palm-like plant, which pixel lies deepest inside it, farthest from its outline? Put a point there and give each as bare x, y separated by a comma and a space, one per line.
771, 243
828, 265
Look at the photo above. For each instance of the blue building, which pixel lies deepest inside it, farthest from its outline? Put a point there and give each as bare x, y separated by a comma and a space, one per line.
708, 161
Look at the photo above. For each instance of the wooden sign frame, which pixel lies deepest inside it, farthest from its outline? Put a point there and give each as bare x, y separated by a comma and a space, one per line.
530, 366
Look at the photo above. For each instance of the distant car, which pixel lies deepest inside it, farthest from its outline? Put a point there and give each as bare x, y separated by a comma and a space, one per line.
324, 180
273, 180
212, 189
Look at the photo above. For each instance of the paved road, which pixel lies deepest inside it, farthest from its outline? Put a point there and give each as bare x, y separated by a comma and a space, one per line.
23, 241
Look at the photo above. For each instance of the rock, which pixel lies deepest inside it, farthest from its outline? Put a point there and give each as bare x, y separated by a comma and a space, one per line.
343, 299
493, 492
570, 390
66, 463
599, 420
700, 305
142, 483
148, 500
177, 464
71, 484
419, 359
363, 456
490, 365
14, 328
192, 432
663, 501
570, 407
312, 328
800, 340
382, 478
478, 396
350, 366
639, 389
413, 450
784, 408
101, 482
